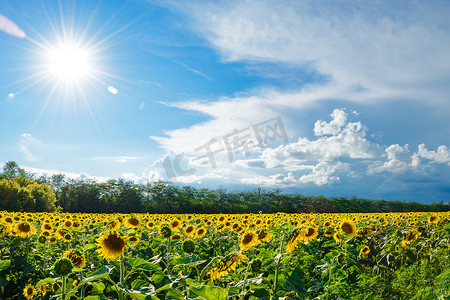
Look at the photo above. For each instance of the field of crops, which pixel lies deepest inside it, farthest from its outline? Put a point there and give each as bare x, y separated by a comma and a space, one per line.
248, 256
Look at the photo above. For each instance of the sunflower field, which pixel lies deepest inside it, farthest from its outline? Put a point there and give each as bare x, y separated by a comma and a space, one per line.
224, 256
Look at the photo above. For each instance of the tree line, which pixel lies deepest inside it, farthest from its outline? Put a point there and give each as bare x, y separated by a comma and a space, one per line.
22, 191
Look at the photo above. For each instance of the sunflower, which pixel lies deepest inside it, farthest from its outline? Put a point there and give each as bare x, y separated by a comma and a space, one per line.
328, 232
364, 232
188, 246
133, 240
68, 223
310, 233
63, 266
200, 232
175, 225
433, 219
29, 291
76, 224
112, 245
150, 225
132, 222
336, 237
177, 237
61, 233
189, 231
293, 240
348, 228
46, 227
76, 257
165, 231
248, 240
42, 239
264, 236
43, 289
410, 237
227, 265
365, 250
24, 229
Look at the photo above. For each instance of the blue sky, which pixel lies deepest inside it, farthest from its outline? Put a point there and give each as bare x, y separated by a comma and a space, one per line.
342, 98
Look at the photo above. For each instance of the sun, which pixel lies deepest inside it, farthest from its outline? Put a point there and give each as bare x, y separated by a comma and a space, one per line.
69, 63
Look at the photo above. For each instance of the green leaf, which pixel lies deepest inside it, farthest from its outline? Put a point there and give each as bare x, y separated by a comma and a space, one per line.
160, 279
174, 295
209, 292
4, 264
143, 265
294, 283
89, 247
45, 281
138, 283
316, 287
143, 293
192, 282
92, 297
101, 273
98, 287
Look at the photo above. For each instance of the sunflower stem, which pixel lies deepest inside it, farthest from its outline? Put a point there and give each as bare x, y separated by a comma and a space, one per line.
121, 276
205, 269
280, 256
168, 255
63, 287
242, 293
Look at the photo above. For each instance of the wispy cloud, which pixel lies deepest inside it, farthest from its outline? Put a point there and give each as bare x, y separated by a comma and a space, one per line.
120, 159
10, 27
26, 144
195, 71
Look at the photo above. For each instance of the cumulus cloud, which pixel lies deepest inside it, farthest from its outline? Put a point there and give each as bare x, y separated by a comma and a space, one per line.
441, 155
401, 160
398, 160
343, 140
340, 149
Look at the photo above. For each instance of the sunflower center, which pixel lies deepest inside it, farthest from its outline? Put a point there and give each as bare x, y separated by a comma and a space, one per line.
310, 232
133, 221
114, 242
347, 228
24, 227
247, 238
262, 235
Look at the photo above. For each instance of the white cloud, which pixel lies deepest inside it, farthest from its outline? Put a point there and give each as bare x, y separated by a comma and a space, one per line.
367, 46
26, 145
339, 149
10, 27
70, 175
322, 173
121, 158
323, 128
442, 155
399, 161
345, 141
